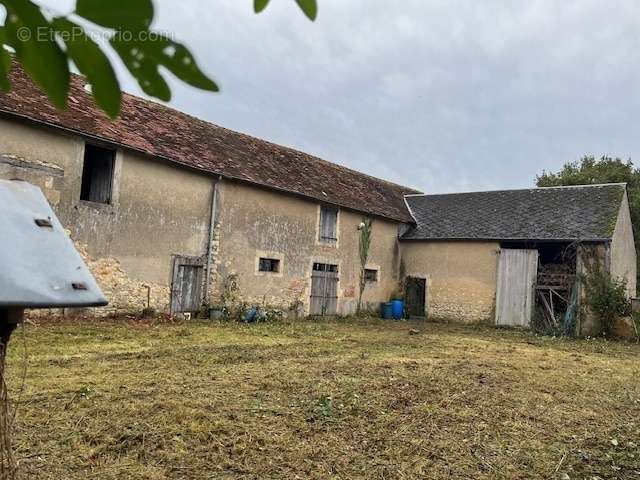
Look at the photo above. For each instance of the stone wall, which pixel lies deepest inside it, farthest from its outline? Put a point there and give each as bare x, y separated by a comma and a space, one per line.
158, 210
125, 295
460, 275
255, 222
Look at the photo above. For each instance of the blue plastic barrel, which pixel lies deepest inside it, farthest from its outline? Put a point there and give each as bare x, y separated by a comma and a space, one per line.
387, 311
397, 308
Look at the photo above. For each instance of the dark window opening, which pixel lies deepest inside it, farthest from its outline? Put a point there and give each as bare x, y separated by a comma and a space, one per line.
328, 224
97, 174
269, 265
550, 253
325, 267
370, 275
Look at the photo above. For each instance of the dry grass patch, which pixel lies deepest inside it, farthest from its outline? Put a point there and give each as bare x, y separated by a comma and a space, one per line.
323, 400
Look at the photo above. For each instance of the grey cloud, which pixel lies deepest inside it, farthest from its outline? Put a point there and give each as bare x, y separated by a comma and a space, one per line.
439, 95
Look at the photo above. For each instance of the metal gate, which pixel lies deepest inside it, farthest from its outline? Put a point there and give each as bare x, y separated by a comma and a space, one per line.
186, 285
324, 289
517, 275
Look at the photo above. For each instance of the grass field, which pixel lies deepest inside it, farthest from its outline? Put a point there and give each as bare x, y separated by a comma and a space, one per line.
322, 400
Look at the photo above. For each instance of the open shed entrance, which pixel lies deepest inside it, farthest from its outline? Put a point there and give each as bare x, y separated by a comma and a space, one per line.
554, 286
186, 284
415, 296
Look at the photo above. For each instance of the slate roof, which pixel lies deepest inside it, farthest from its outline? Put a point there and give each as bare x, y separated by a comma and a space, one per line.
555, 213
157, 130
40, 266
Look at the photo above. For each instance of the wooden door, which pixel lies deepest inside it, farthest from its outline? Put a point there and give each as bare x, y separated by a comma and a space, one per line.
415, 297
515, 294
186, 287
324, 289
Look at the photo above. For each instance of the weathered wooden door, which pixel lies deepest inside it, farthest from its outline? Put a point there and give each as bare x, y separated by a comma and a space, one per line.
324, 289
186, 287
415, 295
515, 294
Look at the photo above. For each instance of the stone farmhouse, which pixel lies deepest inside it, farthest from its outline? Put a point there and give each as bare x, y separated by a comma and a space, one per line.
169, 210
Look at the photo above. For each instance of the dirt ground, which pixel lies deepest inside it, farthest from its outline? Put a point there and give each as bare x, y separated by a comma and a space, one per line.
321, 400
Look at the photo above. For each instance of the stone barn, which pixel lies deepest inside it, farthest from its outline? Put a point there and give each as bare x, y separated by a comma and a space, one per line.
172, 213
502, 256
169, 210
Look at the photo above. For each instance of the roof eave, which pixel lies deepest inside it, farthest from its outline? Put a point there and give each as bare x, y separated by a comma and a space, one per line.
508, 239
215, 173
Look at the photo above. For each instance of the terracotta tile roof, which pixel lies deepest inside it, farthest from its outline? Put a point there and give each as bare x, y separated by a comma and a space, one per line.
157, 130
587, 212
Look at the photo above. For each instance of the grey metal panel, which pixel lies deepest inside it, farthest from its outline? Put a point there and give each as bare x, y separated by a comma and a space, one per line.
517, 275
38, 264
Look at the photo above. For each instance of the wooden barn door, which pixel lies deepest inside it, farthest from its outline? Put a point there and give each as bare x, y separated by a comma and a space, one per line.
517, 275
186, 287
324, 289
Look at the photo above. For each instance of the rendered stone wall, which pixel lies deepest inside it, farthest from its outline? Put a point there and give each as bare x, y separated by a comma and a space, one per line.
623, 249
460, 275
255, 222
158, 211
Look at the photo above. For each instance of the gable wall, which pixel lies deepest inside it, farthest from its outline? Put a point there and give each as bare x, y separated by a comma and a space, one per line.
623, 251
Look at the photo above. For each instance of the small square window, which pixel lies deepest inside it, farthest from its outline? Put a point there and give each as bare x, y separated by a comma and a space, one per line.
370, 275
97, 174
269, 265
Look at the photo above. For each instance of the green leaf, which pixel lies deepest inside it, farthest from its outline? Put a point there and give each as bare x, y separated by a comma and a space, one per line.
260, 5
309, 7
131, 15
93, 63
32, 38
5, 63
144, 54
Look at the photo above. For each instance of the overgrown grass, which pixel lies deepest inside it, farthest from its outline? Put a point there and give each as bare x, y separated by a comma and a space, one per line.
322, 400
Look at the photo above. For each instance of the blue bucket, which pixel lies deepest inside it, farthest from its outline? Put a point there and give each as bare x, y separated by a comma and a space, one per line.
387, 311
397, 309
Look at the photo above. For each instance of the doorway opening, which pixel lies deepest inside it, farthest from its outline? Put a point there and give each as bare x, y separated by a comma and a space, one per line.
415, 297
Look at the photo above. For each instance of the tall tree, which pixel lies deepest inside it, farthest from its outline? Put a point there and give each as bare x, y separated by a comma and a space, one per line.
592, 170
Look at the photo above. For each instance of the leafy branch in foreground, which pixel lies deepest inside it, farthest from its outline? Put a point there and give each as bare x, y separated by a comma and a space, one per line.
45, 45
309, 7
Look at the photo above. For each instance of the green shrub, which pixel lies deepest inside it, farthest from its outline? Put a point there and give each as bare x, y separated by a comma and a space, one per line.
606, 297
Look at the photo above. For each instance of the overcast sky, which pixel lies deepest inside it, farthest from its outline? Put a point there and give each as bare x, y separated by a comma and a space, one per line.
441, 95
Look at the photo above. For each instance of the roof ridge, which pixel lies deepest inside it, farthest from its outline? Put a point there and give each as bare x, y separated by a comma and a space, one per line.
531, 189
173, 110
161, 131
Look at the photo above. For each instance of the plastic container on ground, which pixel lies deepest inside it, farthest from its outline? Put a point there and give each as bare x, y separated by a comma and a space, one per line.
397, 309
